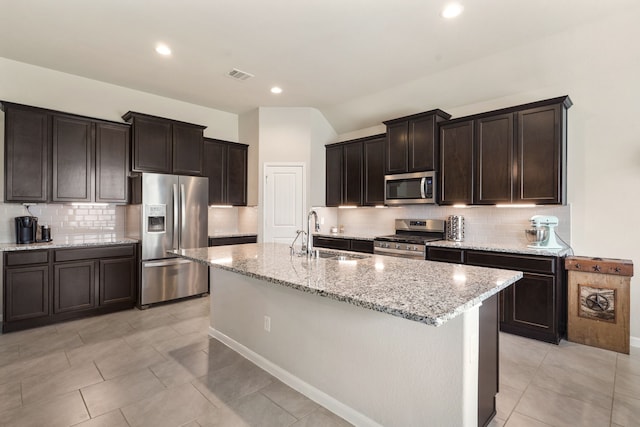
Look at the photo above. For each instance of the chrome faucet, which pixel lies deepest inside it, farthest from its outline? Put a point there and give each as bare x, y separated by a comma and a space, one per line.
316, 227
302, 244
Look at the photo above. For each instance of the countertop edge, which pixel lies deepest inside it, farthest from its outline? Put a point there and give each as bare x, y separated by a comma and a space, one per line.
428, 320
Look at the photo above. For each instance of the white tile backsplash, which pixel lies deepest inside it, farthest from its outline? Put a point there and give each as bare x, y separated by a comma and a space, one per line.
482, 223
63, 219
233, 220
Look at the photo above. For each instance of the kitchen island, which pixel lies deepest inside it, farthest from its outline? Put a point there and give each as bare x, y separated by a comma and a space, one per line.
378, 340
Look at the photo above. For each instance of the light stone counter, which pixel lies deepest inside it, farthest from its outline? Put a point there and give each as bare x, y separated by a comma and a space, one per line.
82, 240
515, 248
219, 235
423, 291
350, 235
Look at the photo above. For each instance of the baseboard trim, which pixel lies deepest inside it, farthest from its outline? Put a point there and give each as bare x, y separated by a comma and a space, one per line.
634, 342
318, 396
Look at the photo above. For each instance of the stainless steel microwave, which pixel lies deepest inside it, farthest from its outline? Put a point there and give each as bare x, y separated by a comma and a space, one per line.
410, 188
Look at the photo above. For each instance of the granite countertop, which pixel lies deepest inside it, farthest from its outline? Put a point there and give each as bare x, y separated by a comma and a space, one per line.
79, 240
423, 291
515, 248
351, 235
223, 235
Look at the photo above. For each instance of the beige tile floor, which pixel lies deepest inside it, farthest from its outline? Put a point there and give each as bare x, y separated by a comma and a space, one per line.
158, 367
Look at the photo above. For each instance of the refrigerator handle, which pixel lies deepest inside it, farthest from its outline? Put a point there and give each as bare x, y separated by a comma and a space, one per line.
175, 217
183, 211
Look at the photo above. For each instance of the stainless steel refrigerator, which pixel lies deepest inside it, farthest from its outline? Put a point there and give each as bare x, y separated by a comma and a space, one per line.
169, 212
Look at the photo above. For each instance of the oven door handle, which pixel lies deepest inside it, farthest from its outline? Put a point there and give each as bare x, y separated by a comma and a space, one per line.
423, 187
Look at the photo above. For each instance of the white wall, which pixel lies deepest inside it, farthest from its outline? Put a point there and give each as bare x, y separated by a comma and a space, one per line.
598, 67
248, 131
294, 135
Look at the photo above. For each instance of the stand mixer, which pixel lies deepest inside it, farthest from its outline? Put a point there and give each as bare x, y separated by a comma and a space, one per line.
543, 234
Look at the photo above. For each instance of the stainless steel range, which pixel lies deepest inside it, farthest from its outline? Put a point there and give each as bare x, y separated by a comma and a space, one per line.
410, 238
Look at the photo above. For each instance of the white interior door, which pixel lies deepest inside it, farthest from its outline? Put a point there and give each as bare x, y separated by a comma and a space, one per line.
283, 202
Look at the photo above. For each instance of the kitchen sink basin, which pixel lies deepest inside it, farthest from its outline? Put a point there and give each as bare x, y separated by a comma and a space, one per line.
340, 257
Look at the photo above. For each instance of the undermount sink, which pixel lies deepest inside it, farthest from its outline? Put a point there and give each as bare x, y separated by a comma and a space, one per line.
340, 257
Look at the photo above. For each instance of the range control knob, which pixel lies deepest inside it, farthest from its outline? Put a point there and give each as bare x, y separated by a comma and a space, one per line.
397, 246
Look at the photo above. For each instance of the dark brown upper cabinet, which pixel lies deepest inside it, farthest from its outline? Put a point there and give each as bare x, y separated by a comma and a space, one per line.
412, 142
112, 162
494, 159
355, 172
518, 155
72, 158
165, 146
59, 157
27, 162
456, 164
334, 161
373, 171
225, 164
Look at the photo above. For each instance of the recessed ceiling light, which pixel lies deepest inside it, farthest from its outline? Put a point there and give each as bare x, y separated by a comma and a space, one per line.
452, 10
163, 49
276, 90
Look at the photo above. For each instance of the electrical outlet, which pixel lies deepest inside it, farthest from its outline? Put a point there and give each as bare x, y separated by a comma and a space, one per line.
267, 323
321, 220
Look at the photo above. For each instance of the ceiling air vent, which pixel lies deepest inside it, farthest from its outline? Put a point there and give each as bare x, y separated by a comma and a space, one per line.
239, 75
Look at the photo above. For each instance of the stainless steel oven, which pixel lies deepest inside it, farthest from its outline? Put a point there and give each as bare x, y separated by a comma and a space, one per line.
410, 188
410, 238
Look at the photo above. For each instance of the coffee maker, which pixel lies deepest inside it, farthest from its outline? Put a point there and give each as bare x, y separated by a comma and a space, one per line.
26, 228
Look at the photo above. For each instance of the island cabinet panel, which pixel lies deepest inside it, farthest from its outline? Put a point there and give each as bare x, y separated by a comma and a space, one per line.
187, 150
225, 164
27, 145
456, 163
541, 154
112, 163
373, 172
49, 286
494, 160
412, 142
488, 360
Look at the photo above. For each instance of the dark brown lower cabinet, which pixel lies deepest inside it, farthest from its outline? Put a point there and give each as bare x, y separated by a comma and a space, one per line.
48, 286
117, 281
232, 240
345, 244
74, 286
534, 306
26, 293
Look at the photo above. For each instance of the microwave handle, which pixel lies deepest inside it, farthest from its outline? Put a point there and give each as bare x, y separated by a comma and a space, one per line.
423, 185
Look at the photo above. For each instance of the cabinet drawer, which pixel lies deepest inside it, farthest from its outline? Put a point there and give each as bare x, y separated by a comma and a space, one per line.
26, 257
331, 243
446, 255
92, 253
365, 246
531, 264
222, 241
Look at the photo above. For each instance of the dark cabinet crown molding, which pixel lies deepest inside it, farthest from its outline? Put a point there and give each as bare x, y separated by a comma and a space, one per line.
437, 112
8, 104
130, 115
